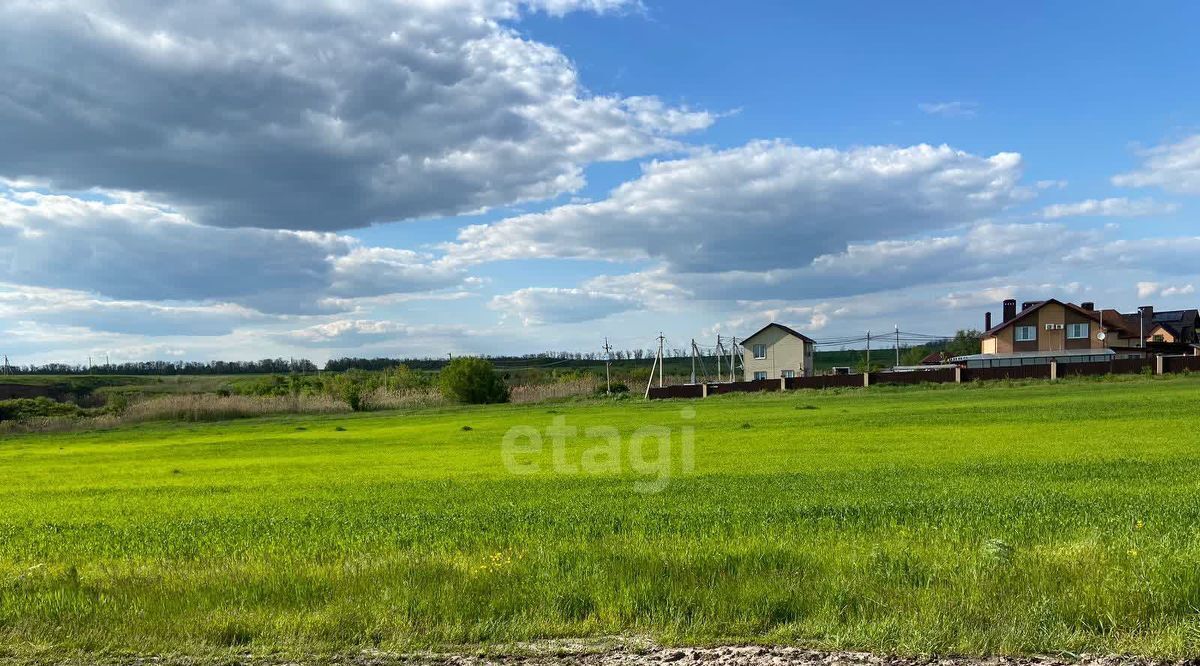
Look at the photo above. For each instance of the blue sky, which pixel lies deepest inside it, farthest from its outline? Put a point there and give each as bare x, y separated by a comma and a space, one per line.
483, 176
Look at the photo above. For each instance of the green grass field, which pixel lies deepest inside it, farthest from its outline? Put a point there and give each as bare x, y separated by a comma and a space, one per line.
974, 519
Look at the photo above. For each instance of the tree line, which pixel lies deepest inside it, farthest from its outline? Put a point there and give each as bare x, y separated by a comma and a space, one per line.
964, 342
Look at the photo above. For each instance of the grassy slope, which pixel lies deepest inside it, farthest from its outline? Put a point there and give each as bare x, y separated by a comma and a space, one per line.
911, 520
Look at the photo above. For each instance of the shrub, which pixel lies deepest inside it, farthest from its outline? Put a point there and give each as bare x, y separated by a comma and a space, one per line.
472, 380
28, 408
617, 387
23, 409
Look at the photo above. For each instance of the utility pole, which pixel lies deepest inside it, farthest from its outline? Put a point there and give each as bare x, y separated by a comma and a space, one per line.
733, 359
661, 338
897, 345
607, 363
658, 364
719, 352
693, 361
868, 368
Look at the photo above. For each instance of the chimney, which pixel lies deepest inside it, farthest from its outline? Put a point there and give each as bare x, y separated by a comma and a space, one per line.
1088, 305
1010, 310
1146, 320
987, 321
1026, 305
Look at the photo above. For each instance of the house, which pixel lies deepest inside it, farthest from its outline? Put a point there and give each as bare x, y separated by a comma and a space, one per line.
1052, 330
1179, 327
777, 351
934, 358
1055, 326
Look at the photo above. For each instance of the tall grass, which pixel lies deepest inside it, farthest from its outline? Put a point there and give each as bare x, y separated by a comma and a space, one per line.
207, 407
580, 386
383, 399
1030, 518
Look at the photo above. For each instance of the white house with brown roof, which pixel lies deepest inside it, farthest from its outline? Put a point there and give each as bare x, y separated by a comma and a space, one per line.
776, 351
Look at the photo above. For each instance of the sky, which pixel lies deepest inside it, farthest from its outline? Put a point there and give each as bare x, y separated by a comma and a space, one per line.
412, 178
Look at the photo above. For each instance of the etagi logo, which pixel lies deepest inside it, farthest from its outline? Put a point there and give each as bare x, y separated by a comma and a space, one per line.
649, 452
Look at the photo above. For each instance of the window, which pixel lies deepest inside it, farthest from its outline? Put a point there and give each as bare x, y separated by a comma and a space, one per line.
1159, 338
787, 374
1077, 331
760, 351
1026, 333
761, 374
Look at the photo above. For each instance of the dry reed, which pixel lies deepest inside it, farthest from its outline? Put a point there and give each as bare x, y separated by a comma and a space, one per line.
208, 407
564, 389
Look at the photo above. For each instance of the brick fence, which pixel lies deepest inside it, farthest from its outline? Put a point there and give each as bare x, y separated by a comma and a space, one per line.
1157, 365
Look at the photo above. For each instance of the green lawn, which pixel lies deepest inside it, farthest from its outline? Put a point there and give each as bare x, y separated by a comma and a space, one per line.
950, 519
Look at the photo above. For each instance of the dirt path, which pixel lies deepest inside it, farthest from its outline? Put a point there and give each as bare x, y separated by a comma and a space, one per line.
751, 656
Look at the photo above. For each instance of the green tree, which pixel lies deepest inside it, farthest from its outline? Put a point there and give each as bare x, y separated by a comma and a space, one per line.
472, 380
913, 355
965, 342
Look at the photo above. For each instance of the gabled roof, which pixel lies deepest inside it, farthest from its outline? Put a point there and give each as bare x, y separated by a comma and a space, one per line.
1110, 319
785, 330
1182, 316
1166, 327
934, 358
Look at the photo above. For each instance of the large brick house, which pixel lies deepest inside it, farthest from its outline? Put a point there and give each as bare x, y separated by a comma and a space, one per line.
1055, 326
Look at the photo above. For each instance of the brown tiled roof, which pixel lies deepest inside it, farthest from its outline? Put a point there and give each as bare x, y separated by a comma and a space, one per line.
936, 358
1109, 319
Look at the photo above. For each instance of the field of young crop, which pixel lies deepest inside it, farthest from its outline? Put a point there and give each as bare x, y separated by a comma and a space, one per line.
973, 519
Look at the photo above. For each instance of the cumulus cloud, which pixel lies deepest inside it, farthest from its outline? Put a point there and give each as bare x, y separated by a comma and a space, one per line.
1174, 167
1111, 207
765, 205
313, 116
544, 305
349, 333
64, 307
955, 109
1148, 289
983, 251
1168, 256
133, 250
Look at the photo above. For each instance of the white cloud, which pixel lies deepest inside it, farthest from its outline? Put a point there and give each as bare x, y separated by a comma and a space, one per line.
766, 205
983, 251
312, 115
545, 305
1164, 256
130, 250
1111, 207
954, 109
352, 333
1050, 184
80, 309
1148, 289
1174, 167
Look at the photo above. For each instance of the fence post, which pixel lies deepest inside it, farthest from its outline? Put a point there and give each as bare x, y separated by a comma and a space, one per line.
704, 390
1053, 370
866, 379
1158, 364
957, 374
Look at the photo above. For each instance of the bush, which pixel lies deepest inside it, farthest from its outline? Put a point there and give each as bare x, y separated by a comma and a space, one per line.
473, 381
23, 409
